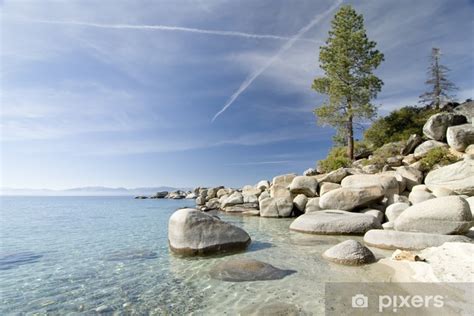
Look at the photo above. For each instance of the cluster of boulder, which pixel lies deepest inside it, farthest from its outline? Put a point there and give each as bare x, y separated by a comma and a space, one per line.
174, 195
398, 207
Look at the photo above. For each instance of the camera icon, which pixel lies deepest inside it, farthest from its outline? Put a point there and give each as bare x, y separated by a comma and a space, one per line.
360, 301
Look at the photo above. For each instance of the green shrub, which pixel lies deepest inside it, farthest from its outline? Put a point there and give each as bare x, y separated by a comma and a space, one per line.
381, 155
398, 125
337, 158
437, 156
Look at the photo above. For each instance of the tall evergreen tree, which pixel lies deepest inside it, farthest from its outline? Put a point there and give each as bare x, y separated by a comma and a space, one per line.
348, 60
438, 82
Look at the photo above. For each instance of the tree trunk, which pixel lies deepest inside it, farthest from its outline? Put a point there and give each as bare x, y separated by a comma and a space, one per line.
350, 139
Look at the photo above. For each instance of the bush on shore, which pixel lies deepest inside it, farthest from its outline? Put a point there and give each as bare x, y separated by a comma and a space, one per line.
437, 156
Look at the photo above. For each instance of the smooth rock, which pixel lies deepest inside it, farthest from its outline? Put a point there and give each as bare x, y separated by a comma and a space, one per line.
284, 180
348, 198
349, 252
300, 202
280, 191
388, 182
328, 186
470, 200
244, 270
466, 109
392, 239
276, 207
304, 185
394, 210
436, 126
388, 225
418, 196
334, 222
461, 136
213, 204
423, 149
191, 232
375, 213
411, 175
335, 176
234, 199
408, 160
312, 205
250, 198
440, 192
444, 215
458, 177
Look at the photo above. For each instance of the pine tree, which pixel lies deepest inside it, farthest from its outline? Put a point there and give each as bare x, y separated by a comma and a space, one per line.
348, 60
438, 82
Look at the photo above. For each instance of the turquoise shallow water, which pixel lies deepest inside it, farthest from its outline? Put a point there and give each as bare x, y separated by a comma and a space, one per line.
67, 255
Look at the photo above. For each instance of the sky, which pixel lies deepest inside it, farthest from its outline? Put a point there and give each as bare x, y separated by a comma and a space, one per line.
190, 93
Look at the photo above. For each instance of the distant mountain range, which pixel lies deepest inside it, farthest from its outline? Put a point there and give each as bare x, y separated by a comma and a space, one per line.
90, 191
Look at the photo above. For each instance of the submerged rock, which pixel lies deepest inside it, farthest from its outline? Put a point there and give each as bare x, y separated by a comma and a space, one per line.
241, 270
191, 232
272, 309
335, 222
349, 252
14, 260
131, 255
444, 215
392, 239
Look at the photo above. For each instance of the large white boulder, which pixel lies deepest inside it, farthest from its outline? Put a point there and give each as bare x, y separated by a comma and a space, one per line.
418, 196
335, 222
312, 205
280, 191
276, 207
349, 252
328, 186
423, 149
436, 126
304, 185
458, 177
300, 202
394, 210
388, 182
349, 198
191, 232
411, 175
461, 136
391, 239
284, 180
234, 199
335, 176
444, 215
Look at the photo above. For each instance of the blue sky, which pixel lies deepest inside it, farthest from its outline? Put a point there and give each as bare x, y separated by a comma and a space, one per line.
87, 100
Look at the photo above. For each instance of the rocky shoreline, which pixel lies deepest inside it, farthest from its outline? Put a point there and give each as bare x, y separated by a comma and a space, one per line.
398, 205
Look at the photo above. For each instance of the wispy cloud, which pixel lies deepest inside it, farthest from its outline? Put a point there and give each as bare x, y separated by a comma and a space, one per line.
172, 29
250, 79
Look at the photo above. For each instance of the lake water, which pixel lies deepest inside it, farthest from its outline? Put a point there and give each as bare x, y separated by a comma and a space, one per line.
67, 255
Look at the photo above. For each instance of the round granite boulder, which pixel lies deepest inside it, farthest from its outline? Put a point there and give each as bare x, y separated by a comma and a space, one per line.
445, 215
335, 222
191, 232
349, 252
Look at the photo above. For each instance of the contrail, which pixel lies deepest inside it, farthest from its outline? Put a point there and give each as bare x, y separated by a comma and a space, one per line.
172, 28
248, 81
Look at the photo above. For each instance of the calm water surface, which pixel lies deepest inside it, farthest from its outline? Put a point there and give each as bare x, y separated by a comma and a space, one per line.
68, 255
